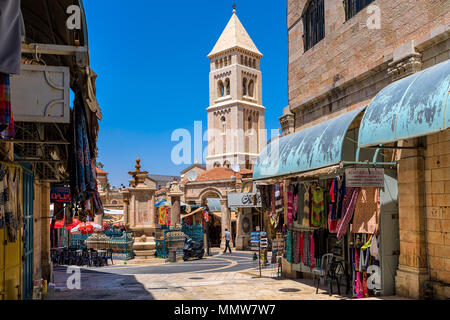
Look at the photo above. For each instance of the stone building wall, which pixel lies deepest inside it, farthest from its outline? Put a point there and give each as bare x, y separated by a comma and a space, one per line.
345, 71
348, 67
437, 187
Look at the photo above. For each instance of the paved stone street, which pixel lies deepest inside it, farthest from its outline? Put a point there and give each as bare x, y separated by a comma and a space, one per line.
220, 277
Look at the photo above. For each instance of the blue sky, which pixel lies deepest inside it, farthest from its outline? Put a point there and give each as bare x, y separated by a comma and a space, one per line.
150, 57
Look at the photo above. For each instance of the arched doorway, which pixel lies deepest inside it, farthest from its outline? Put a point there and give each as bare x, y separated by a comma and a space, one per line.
214, 227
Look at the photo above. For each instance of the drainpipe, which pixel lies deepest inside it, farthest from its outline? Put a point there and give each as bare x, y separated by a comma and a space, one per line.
428, 287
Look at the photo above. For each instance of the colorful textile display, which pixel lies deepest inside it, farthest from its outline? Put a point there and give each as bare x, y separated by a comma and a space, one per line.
367, 211
295, 189
6, 117
10, 37
83, 182
290, 205
306, 207
348, 204
162, 216
318, 208
289, 246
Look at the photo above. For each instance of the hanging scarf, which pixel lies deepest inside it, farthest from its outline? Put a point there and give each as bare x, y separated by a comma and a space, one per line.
6, 115
349, 205
311, 239
290, 205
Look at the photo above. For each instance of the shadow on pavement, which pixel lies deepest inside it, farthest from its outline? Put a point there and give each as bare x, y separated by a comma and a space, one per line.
95, 284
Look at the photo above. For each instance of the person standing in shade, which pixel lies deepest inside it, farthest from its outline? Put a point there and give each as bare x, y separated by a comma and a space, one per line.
227, 241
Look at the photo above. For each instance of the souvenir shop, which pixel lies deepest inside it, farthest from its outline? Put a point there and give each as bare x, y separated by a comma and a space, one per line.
345, 209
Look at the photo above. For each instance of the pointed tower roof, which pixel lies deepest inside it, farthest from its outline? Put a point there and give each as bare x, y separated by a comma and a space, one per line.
234, 36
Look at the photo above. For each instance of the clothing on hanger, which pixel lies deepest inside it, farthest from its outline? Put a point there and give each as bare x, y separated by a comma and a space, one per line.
367, 211
349, 205
7, 128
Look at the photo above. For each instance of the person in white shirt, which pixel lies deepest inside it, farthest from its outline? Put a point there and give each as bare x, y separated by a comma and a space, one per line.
227, 241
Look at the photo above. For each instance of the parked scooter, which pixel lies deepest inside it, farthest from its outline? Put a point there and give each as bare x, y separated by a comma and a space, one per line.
193, 249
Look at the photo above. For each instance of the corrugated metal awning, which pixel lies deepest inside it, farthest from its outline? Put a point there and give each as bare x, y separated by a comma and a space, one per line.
313, 148
411, 107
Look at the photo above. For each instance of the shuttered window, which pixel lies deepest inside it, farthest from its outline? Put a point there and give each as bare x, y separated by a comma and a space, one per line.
313, 23
352, 7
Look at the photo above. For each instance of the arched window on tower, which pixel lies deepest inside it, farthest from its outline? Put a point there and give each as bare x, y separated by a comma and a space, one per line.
216, 165
227, 86
244, 87
246, 61
223, 122
250, 124
254, 63
227, 164
220, 89
251, 88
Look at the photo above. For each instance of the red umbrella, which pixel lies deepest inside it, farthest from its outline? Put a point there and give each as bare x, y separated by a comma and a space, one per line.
59, 224
86, 228
75, 222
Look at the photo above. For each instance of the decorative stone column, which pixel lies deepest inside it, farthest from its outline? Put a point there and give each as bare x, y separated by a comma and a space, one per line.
141, 212
226, 221
126, 207
175, 195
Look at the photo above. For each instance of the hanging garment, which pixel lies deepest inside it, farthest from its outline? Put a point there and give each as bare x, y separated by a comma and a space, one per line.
374, 247
306, 207
312, 244
341, 198
83, 182
301, 203
301, 246
318, 207
290, 205
334, 199
367, 244
265, 196
349, 207
333, 225
289, 246
295, 189
10, 37
6, 117
367, 211
5, 205
16, 205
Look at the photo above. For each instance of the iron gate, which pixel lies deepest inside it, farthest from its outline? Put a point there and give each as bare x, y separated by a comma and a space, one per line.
28, 198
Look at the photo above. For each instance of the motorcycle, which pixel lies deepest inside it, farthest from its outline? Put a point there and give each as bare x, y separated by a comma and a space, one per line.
193, 249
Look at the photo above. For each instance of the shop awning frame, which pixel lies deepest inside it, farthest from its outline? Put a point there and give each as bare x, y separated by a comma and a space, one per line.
316, 147
408, 108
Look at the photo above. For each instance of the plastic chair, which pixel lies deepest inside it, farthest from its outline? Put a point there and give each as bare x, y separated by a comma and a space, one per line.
109, 256
321, 273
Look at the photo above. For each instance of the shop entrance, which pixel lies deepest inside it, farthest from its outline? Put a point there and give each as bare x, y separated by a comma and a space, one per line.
215, 228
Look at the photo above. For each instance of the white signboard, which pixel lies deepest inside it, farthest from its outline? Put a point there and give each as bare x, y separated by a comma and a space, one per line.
244, 200
364, 177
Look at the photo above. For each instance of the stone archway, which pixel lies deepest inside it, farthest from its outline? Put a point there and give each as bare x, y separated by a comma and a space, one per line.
215, 224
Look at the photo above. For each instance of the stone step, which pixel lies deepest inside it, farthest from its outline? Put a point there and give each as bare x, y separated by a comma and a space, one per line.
144, 245
144, 252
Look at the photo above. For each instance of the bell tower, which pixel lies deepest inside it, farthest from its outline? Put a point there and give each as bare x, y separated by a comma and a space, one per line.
236, 124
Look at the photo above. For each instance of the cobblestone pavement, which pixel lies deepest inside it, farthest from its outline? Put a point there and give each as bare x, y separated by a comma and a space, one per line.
220, 277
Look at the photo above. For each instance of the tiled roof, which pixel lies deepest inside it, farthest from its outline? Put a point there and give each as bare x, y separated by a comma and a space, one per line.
220, 174
101, 171
163, 190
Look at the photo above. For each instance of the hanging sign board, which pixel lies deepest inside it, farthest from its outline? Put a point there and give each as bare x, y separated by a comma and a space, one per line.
364, 177
60, 195
244, 200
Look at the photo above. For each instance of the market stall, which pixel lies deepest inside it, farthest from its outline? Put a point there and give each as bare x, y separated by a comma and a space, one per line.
327, 202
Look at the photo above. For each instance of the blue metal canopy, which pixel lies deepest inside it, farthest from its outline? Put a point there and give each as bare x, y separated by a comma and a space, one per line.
214, 204
411, 107
315, 147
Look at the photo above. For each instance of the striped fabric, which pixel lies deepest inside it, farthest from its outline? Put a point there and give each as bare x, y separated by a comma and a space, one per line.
6, 117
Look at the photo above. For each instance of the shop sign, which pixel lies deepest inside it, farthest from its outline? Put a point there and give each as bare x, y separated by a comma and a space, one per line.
364, 177
244, 200
60, 195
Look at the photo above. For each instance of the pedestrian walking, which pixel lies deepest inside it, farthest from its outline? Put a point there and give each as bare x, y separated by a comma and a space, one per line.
227, 241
